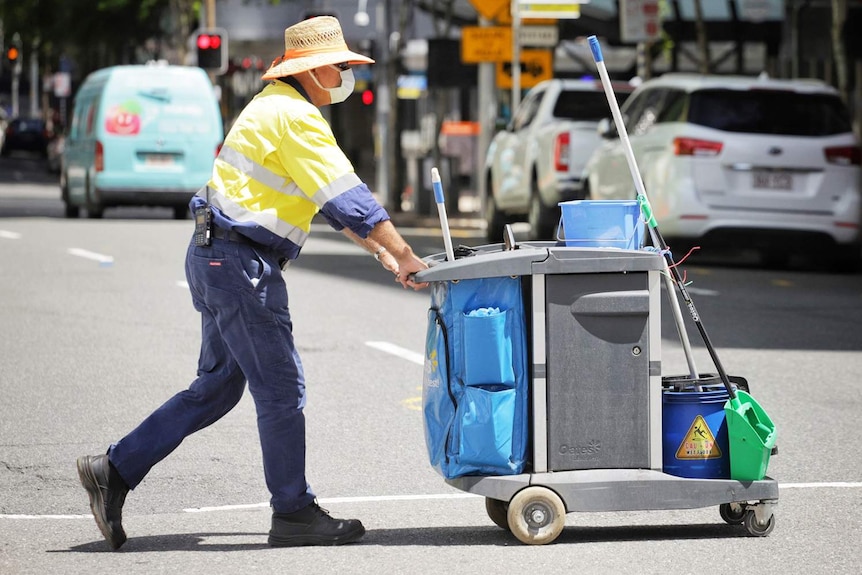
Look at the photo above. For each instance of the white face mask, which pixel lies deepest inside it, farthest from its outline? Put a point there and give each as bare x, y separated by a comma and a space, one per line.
340, 93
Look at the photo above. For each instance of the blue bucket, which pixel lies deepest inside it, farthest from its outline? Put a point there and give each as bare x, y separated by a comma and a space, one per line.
601, 224
694, 433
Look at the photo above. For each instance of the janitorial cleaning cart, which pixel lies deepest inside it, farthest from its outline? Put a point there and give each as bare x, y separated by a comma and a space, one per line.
543, 388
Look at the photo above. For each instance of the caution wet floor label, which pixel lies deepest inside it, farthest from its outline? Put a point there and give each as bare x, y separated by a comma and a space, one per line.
699, 442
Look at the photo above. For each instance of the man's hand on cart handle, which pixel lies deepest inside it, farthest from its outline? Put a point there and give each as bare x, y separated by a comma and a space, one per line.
407, 269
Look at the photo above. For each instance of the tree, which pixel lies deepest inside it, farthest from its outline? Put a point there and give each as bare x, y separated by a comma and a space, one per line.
839, 16
702, 40
105, 32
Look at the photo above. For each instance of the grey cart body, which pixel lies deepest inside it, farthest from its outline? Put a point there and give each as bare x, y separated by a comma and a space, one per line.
593, 319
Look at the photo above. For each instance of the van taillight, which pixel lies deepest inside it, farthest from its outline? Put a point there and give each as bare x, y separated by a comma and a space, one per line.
99, 157
844, 155
561, 152
695, 147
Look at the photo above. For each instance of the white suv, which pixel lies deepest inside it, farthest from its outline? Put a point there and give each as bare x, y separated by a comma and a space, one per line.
755, 162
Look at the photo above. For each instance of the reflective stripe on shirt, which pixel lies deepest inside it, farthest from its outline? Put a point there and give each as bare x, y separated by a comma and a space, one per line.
255, 171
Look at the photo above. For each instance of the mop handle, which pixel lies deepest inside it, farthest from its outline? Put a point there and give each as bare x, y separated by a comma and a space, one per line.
627, 146
658, 240
441, 210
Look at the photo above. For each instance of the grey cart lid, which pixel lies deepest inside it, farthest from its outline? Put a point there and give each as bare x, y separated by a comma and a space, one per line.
530, 258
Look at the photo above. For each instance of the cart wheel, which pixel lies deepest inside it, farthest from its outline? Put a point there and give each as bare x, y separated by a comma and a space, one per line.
497, 512
732, 513
755, 528
536, 515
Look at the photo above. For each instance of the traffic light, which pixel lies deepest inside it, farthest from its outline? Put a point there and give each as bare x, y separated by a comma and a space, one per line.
367, 96
211, 47
13, 53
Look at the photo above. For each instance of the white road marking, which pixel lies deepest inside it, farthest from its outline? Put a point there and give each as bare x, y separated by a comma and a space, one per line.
46, 516
396, 498
9, 235
823, 485
101, 258
701, 291
336, 500
398, 351
698, 291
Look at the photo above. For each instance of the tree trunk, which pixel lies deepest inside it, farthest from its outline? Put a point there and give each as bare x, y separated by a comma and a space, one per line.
839, 16
702, 40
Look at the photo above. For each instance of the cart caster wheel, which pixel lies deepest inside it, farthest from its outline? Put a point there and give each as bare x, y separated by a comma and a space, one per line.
732, 513
497, 511
536, 515
756, 529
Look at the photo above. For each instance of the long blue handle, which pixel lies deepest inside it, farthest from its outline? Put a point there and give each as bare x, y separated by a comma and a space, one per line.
596, 48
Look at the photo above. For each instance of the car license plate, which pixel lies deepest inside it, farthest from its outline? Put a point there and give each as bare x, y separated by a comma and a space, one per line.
159, 160
772, 180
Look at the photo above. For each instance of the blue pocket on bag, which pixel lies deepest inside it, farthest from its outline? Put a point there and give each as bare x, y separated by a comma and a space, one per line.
487, 424
488, 348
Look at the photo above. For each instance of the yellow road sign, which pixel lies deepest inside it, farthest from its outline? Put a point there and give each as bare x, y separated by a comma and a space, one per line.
490, 9
536, 66
562, 9
486, 44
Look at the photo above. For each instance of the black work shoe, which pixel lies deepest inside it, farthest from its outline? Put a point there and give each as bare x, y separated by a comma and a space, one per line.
312, 525
107, 492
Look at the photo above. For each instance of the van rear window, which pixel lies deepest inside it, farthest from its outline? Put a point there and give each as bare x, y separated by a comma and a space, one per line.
777, 112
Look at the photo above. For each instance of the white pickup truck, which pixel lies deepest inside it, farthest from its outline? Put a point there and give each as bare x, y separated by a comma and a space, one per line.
538, 160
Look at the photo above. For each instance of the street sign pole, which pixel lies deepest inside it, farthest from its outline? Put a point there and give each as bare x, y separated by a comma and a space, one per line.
16, 75
516, 56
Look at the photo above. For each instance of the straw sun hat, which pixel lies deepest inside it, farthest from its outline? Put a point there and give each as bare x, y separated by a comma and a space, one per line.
310, 44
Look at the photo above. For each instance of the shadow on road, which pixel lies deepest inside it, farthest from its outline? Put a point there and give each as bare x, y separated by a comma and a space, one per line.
424, 537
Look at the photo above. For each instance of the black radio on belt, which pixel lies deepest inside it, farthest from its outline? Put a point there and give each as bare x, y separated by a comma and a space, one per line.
203, 225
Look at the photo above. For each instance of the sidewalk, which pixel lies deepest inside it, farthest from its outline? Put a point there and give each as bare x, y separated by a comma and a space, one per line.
471, 222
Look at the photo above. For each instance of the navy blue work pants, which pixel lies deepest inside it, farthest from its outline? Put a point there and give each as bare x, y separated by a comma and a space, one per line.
246, 336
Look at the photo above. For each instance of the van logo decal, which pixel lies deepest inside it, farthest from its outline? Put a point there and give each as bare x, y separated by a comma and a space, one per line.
124, 119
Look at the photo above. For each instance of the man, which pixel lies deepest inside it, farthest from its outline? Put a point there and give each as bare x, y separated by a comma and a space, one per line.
279, 166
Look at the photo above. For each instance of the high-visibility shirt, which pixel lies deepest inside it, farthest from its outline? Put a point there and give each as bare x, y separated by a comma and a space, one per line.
279, 165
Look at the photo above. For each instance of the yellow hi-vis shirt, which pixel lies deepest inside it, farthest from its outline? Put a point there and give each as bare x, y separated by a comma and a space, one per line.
280, 164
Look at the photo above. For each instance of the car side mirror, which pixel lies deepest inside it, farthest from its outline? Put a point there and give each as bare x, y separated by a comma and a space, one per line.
606, 129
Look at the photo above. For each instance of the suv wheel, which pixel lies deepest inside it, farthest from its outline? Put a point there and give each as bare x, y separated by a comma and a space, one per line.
845, 259
543, 220
495, 221
70, 210
181, 212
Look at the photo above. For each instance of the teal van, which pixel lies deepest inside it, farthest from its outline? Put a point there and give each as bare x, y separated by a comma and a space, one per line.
140, 136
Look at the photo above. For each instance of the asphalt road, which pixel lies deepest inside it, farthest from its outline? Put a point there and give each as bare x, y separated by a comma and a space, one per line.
97, 329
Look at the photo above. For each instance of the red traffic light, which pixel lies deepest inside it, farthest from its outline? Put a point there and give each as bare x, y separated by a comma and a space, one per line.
212, 49
209, 41
367, 97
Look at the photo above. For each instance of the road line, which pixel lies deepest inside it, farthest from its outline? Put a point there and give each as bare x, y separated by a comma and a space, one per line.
9, 235
389, 498
701, 291
698, 291
825, 484
46, 516
332, 500
101, 258
395, 350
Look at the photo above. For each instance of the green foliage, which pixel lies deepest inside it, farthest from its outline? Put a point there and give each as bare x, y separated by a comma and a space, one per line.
93, 33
